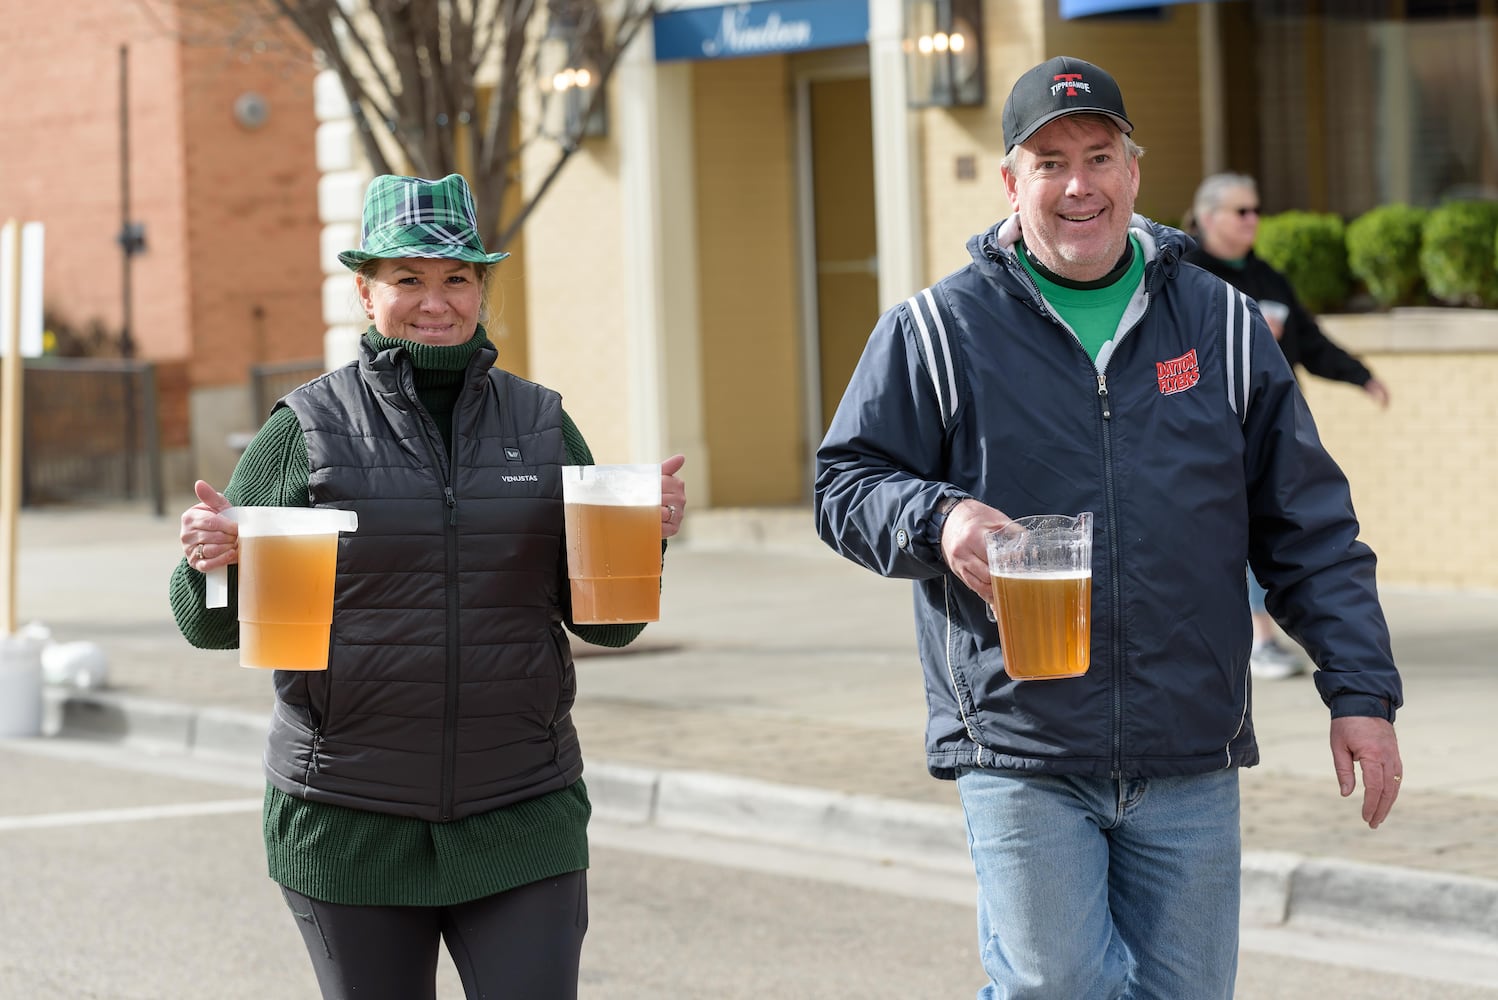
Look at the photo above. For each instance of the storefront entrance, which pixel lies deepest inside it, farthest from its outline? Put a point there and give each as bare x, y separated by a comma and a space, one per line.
774, 108
840, 278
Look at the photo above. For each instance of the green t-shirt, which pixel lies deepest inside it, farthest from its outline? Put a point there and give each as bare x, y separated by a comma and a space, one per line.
1092, 313
351, 856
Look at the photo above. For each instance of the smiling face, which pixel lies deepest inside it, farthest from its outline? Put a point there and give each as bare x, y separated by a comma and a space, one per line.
424, 301
1073, 184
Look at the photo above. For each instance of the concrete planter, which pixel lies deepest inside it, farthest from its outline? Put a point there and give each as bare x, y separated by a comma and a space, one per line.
1423, 330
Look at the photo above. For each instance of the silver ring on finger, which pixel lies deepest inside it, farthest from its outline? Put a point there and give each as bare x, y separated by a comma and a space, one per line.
670, 512
198, 553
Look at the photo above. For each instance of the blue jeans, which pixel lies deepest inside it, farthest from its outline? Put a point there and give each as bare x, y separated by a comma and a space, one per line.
1098, 889
1256, 595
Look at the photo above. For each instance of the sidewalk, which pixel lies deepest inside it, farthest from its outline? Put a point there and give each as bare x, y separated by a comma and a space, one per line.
779, 697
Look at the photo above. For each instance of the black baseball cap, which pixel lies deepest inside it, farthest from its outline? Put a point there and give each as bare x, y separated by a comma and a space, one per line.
1058, 87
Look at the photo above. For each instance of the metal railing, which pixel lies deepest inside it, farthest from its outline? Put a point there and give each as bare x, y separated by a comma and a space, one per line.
90, 431
90, 427
269, 382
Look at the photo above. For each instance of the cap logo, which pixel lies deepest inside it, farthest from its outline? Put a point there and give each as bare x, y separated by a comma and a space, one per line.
1070, 82
1058, 87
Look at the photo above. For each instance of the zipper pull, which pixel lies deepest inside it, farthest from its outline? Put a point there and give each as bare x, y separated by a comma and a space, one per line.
452, 505
1102, 391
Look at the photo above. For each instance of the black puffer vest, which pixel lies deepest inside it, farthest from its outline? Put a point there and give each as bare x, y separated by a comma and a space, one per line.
450, 681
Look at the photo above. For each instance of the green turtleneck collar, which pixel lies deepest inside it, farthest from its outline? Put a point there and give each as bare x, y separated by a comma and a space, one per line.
429, 358
437, 371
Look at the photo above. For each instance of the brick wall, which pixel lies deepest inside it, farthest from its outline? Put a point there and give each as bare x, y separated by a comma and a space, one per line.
230, 273
61, 162
252, 227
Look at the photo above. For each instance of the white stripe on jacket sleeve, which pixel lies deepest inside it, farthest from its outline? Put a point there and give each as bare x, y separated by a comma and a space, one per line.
923, 307
1237, 325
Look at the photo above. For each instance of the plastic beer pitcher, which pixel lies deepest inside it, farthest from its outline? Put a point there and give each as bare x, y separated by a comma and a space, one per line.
613, 524
287, 560
1041, 569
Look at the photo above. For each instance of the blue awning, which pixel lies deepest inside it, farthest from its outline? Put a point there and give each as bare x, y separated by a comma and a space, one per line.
756, 29
1088, 8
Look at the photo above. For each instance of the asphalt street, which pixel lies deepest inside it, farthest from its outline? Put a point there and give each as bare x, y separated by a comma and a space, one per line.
138, 876
778, 705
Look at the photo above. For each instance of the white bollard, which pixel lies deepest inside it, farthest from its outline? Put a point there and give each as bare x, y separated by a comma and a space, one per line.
20, 686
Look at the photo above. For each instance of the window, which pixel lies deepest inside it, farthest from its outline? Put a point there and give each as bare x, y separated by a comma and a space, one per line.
1358, 108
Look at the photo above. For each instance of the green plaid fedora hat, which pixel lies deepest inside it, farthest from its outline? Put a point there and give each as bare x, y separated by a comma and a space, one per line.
415, 217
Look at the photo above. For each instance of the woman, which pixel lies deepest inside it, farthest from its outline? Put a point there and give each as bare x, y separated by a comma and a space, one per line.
426, 786
1225, 214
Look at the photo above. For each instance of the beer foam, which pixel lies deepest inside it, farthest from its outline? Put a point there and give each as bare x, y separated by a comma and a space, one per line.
1055, 574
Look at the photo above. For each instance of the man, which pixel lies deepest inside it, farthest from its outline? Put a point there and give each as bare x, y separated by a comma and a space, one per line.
1076, 365
1226, 216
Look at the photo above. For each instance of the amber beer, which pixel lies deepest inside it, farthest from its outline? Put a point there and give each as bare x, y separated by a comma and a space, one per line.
614, 559
286, 600
1040, 568
1045, 623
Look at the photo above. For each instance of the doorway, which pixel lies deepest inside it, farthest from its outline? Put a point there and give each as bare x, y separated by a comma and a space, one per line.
839, 245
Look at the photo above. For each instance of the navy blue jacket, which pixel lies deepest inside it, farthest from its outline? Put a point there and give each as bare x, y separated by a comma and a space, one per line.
1192, 446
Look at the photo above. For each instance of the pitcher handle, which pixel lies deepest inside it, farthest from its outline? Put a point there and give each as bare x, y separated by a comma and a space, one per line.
216, 588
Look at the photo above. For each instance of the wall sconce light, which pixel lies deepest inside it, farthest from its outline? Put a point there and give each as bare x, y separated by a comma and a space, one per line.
573, 104
944, 53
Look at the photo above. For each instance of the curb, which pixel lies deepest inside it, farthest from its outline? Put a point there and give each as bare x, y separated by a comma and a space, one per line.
1277, 888
792, 815
154, 724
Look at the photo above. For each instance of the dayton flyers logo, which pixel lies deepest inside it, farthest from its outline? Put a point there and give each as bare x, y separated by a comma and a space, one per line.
1178, 374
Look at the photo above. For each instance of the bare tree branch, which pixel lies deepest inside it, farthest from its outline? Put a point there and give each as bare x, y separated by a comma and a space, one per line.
410, 70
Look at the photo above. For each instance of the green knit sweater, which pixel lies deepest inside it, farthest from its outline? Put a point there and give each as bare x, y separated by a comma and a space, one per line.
351, 856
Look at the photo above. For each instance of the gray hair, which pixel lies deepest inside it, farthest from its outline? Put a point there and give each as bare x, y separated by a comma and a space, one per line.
1131, 148
1209, 193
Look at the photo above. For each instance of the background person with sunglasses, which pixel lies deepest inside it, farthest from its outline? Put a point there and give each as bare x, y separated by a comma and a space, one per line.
1225, 220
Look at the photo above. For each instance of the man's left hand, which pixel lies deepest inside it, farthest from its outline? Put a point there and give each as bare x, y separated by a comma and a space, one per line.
1371, 744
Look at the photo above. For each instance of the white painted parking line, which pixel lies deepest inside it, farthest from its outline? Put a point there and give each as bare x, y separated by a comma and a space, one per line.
133, 815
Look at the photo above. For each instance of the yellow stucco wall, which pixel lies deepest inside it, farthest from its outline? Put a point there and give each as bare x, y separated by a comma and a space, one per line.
748, 321
1424, 472
578, 340
746, 237
953, 209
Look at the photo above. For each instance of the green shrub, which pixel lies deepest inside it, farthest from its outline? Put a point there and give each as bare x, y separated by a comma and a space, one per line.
1310, 249
1383, 252
1457, 253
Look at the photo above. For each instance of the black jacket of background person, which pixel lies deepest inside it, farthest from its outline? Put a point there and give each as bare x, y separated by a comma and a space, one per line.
1303, 342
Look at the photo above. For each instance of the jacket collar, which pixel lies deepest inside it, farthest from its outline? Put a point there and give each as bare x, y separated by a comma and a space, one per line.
993, 250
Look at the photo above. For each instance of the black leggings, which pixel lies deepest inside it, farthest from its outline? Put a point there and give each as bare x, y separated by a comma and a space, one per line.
523, 944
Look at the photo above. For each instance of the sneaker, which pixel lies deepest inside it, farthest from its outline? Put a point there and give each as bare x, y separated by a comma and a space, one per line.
1272, 662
